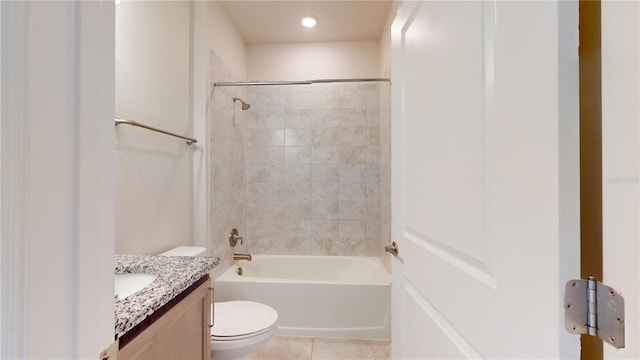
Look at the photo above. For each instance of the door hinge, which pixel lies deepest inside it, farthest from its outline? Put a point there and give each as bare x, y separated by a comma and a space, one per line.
590, 307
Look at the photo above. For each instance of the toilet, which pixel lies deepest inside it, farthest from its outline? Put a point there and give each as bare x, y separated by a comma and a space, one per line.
240, 327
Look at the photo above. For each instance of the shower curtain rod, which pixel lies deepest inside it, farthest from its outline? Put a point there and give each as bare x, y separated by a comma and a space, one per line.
298, 82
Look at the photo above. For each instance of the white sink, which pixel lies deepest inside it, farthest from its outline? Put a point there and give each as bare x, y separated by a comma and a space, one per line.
127, 284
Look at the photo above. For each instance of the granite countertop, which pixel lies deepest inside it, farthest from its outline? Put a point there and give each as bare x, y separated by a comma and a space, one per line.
175, 274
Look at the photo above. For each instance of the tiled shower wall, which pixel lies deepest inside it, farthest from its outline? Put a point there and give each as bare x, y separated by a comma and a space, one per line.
385, 173
228, 188
312, 155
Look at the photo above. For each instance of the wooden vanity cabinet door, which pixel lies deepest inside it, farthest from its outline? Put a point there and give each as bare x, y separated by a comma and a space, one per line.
181, 333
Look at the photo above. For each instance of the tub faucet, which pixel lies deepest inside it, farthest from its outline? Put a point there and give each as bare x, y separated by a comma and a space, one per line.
242, 257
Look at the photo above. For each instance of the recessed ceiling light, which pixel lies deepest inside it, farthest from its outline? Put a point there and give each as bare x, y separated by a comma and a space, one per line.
309, 22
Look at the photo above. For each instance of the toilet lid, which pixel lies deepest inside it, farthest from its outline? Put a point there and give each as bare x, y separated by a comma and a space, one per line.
236, 318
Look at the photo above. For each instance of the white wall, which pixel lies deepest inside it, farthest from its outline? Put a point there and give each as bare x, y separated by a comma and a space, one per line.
162, 78
153, 86
226, 41
385, 42
320, 60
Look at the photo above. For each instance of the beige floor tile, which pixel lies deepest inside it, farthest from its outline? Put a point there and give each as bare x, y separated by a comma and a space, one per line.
381, 349
346, 349
284, 348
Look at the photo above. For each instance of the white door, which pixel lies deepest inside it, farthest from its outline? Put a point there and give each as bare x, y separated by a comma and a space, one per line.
57, 195
485, 202
620, 147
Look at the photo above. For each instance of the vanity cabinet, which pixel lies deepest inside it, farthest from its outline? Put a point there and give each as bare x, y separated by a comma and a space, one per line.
178, 330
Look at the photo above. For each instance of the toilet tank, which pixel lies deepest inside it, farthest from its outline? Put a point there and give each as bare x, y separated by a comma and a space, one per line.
186, 251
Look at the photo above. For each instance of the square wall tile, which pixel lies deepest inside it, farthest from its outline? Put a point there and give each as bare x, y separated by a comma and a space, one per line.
298, 119
312, 167
295, 191
264, 137
297, 210
356, 191
298, 228
271, 210
325, 209
297, 173
265, 173
297, 137
353, 209
297, 155
265, 155
353, 173
352, 228
324, 173
325, 154
325, 191
373, 136
265, 119
353, 155
325, 228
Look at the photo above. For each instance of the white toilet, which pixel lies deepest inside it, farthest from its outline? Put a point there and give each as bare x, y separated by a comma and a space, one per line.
240, 327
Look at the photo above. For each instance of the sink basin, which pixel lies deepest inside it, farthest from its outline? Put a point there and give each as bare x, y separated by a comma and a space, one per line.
128, 284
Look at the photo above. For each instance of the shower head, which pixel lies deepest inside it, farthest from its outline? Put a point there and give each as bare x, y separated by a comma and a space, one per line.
245, 106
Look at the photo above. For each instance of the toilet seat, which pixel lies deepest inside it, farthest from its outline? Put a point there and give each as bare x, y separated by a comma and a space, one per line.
236, 320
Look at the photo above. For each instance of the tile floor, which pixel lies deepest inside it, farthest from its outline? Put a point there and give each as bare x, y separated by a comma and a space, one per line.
304, 348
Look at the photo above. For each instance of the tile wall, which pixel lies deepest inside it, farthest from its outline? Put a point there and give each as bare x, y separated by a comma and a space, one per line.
385, 172
227, 173
312, 167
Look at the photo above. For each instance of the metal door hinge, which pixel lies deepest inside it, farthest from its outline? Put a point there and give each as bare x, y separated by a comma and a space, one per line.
590, 307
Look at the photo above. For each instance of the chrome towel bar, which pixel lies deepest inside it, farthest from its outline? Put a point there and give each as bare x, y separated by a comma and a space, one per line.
135, 123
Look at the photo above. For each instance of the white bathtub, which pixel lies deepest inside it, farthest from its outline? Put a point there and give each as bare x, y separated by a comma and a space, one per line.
320, 296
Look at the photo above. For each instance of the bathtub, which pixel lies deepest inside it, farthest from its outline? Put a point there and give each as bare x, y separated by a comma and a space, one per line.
319, 296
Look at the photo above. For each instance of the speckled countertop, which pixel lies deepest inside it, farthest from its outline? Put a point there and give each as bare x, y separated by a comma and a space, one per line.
175, 274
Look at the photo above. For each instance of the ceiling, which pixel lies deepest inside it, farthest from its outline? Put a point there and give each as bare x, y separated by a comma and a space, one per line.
267, 22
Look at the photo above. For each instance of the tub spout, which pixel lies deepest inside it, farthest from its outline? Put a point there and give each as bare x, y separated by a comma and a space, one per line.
242, 257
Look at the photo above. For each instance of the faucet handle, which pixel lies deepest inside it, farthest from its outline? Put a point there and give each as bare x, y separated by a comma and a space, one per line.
234, 237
